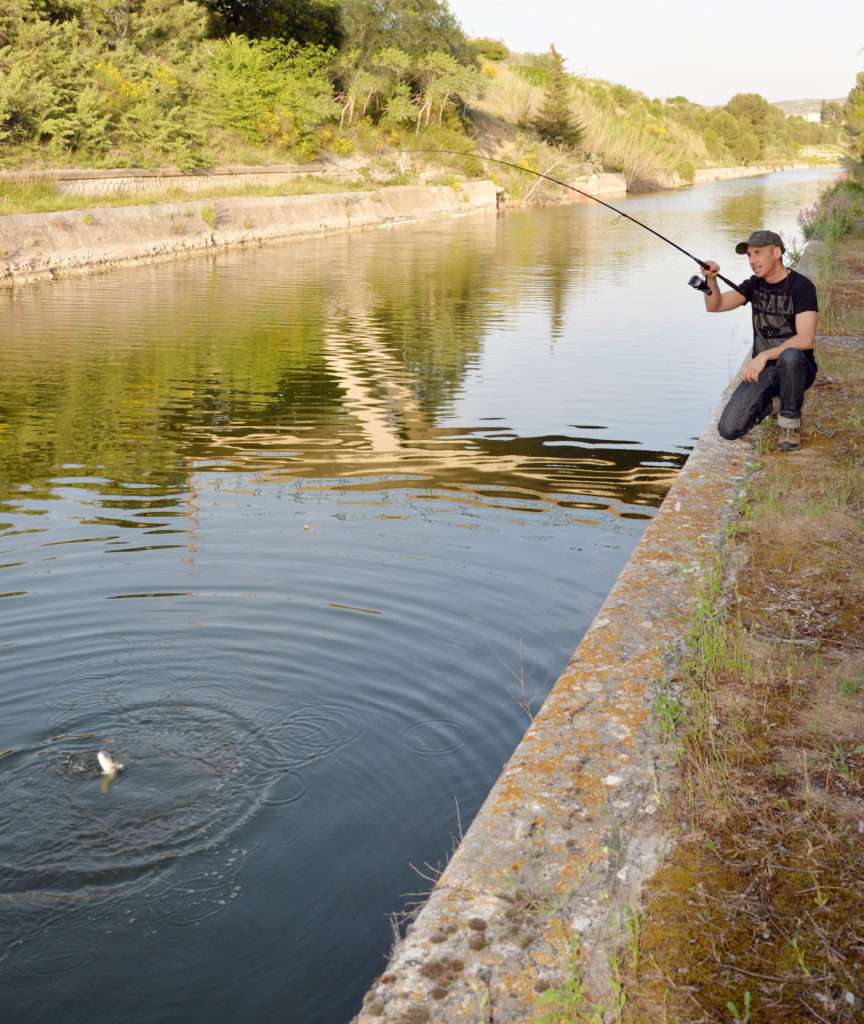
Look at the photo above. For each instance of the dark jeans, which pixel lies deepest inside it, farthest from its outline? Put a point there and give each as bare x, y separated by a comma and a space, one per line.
789, 377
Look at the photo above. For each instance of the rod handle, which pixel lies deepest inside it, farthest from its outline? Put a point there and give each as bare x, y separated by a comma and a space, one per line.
725, 280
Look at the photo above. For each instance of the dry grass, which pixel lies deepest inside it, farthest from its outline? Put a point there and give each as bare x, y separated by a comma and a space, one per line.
758, 914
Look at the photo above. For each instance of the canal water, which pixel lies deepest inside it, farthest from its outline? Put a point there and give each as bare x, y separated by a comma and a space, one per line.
301, 535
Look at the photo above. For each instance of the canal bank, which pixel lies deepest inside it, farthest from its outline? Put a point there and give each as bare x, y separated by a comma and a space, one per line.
551, 869
654, 748
39, 246
445, 374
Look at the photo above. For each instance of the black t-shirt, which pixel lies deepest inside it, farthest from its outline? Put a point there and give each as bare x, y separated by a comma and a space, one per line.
775, 306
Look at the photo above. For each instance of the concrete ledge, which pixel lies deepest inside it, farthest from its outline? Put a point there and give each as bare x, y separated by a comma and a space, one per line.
568, 833
46, 245
139, 181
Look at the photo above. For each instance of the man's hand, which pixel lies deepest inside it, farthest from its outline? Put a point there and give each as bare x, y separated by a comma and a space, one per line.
717, 301
755, 367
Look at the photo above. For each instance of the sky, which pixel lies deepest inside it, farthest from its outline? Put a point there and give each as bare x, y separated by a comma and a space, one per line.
783, 49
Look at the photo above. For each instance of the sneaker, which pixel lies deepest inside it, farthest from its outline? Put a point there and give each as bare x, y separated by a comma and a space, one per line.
789, 439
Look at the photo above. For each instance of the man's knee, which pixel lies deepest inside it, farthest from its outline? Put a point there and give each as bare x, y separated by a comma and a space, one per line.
790, 358
730, 427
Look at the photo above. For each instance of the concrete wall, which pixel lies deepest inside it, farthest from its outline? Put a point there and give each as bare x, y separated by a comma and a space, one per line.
36, 246
706, 174
97, 182
568, 834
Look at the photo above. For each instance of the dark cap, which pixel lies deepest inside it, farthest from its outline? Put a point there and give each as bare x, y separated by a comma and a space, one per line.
759, 238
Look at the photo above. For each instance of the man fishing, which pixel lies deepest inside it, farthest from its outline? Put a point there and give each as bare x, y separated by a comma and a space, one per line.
782, 365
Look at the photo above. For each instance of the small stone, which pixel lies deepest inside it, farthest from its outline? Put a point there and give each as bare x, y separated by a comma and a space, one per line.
541, 985
580, 923
438, 937
415, 1015
478, 924
438, 992
387, 979
621, 875
477, 941
375, 1008
612, 780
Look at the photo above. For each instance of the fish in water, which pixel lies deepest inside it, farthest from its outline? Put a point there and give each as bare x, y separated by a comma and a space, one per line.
108, 765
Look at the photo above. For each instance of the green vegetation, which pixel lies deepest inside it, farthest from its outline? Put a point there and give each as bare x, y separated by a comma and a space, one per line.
199, 82
853, 114
149, 82
836, 222
555, 122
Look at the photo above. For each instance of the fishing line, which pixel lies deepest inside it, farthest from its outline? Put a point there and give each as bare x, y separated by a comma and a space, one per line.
700, 285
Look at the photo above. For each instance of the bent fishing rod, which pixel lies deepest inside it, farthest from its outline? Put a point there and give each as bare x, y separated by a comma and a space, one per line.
697, 282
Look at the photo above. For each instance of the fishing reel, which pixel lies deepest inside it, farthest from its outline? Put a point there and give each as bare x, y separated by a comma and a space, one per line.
700, 284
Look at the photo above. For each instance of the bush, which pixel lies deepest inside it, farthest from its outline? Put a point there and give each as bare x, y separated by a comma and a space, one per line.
686, 170
491, 49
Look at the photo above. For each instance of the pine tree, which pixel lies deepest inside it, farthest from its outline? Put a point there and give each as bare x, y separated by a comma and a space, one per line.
555, 122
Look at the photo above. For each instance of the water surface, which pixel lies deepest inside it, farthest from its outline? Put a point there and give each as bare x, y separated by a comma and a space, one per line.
296, 532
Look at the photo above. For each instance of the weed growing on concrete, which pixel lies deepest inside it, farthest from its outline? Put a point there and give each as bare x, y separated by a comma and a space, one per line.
569, 1004
210, 217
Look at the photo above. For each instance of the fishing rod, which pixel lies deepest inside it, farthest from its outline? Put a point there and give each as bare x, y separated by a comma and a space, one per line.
697, 282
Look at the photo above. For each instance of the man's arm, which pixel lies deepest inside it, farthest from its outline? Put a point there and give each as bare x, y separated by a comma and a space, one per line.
805, 333
715, 300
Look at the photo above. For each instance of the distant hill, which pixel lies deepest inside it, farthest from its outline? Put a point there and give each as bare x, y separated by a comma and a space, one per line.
804, 107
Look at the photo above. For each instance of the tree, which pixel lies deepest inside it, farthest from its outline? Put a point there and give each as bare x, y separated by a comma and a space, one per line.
830, 113
415, 26
853, 111
555, 122
307, 21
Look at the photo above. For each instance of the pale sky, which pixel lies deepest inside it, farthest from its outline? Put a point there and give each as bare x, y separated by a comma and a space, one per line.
783, 49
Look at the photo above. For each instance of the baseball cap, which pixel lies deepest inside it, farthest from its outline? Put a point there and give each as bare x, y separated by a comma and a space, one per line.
760, 238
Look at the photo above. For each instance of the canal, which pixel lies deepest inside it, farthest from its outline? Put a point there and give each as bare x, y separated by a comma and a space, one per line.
303, 535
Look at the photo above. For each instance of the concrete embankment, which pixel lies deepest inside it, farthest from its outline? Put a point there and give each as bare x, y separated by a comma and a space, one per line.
85, 181
558, 852
46, 245
705, 175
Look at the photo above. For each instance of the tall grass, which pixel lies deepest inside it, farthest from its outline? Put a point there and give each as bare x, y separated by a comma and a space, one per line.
645, 148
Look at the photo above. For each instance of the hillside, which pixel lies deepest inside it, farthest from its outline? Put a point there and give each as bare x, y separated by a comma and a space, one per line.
194, 84
802, 108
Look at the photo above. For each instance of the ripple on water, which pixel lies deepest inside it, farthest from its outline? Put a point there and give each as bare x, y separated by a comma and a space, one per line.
198, 769
434, 737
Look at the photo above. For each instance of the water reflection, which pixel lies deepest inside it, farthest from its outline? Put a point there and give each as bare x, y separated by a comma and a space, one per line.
345, 370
